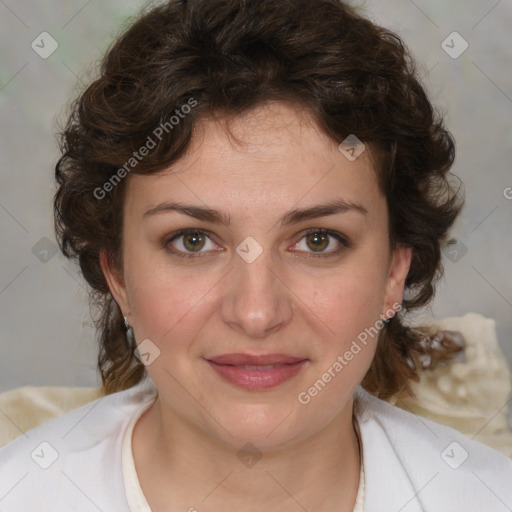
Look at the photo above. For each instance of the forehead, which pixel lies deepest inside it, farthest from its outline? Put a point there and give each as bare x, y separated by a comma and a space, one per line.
273, 156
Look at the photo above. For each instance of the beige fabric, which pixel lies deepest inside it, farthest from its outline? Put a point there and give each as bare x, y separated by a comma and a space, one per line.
22, 409
469, 396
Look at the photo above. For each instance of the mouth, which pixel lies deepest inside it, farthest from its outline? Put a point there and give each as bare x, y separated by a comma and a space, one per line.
257, 372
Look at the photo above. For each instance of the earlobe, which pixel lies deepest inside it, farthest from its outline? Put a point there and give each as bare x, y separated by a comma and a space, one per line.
115, 283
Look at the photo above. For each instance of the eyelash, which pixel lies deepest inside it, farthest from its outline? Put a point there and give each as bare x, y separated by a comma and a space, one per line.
345, 243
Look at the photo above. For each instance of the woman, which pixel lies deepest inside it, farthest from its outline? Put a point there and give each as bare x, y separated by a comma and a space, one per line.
257, 193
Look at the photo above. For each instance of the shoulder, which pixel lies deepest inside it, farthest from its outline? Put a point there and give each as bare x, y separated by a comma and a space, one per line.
442, 465
74, 458
401, 426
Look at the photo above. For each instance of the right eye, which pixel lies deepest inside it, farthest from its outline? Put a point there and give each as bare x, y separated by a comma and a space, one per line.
188, 242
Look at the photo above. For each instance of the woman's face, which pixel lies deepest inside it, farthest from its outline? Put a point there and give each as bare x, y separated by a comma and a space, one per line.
271, 281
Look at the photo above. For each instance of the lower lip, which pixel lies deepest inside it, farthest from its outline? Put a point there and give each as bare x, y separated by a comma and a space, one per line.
257, 379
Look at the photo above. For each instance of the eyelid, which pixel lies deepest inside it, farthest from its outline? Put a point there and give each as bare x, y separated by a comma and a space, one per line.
342, 239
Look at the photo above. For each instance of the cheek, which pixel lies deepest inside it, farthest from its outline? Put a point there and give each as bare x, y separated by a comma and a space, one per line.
350, 304
167, 305
349, 300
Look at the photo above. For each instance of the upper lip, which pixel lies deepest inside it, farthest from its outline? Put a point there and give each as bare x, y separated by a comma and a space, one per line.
250, 360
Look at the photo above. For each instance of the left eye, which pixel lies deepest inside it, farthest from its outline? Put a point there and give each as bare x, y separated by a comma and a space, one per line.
319, 240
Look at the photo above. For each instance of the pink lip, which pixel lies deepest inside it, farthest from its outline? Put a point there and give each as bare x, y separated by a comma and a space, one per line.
262, 360
231, 367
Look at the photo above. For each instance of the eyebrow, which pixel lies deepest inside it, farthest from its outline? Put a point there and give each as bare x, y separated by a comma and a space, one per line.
292, 217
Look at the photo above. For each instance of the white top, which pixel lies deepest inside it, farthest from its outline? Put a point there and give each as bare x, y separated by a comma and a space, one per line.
135, 496
76, 462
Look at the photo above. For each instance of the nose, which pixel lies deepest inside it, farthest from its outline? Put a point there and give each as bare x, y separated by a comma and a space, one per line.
256, 300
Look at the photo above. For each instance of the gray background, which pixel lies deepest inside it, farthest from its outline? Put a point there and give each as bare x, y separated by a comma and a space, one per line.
46, 333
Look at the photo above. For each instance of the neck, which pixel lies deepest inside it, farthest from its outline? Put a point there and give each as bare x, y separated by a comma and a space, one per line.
186, 467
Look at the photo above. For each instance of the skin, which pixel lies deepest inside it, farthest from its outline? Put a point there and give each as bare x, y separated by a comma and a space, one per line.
185, 447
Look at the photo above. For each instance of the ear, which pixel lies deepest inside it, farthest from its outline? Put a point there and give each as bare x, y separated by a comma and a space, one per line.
397, 274
116, 284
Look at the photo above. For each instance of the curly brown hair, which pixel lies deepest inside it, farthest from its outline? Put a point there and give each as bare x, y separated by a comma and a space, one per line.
231, 56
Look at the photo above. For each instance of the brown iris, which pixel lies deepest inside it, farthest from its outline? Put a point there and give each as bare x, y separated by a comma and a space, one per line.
320, 241
196, 241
